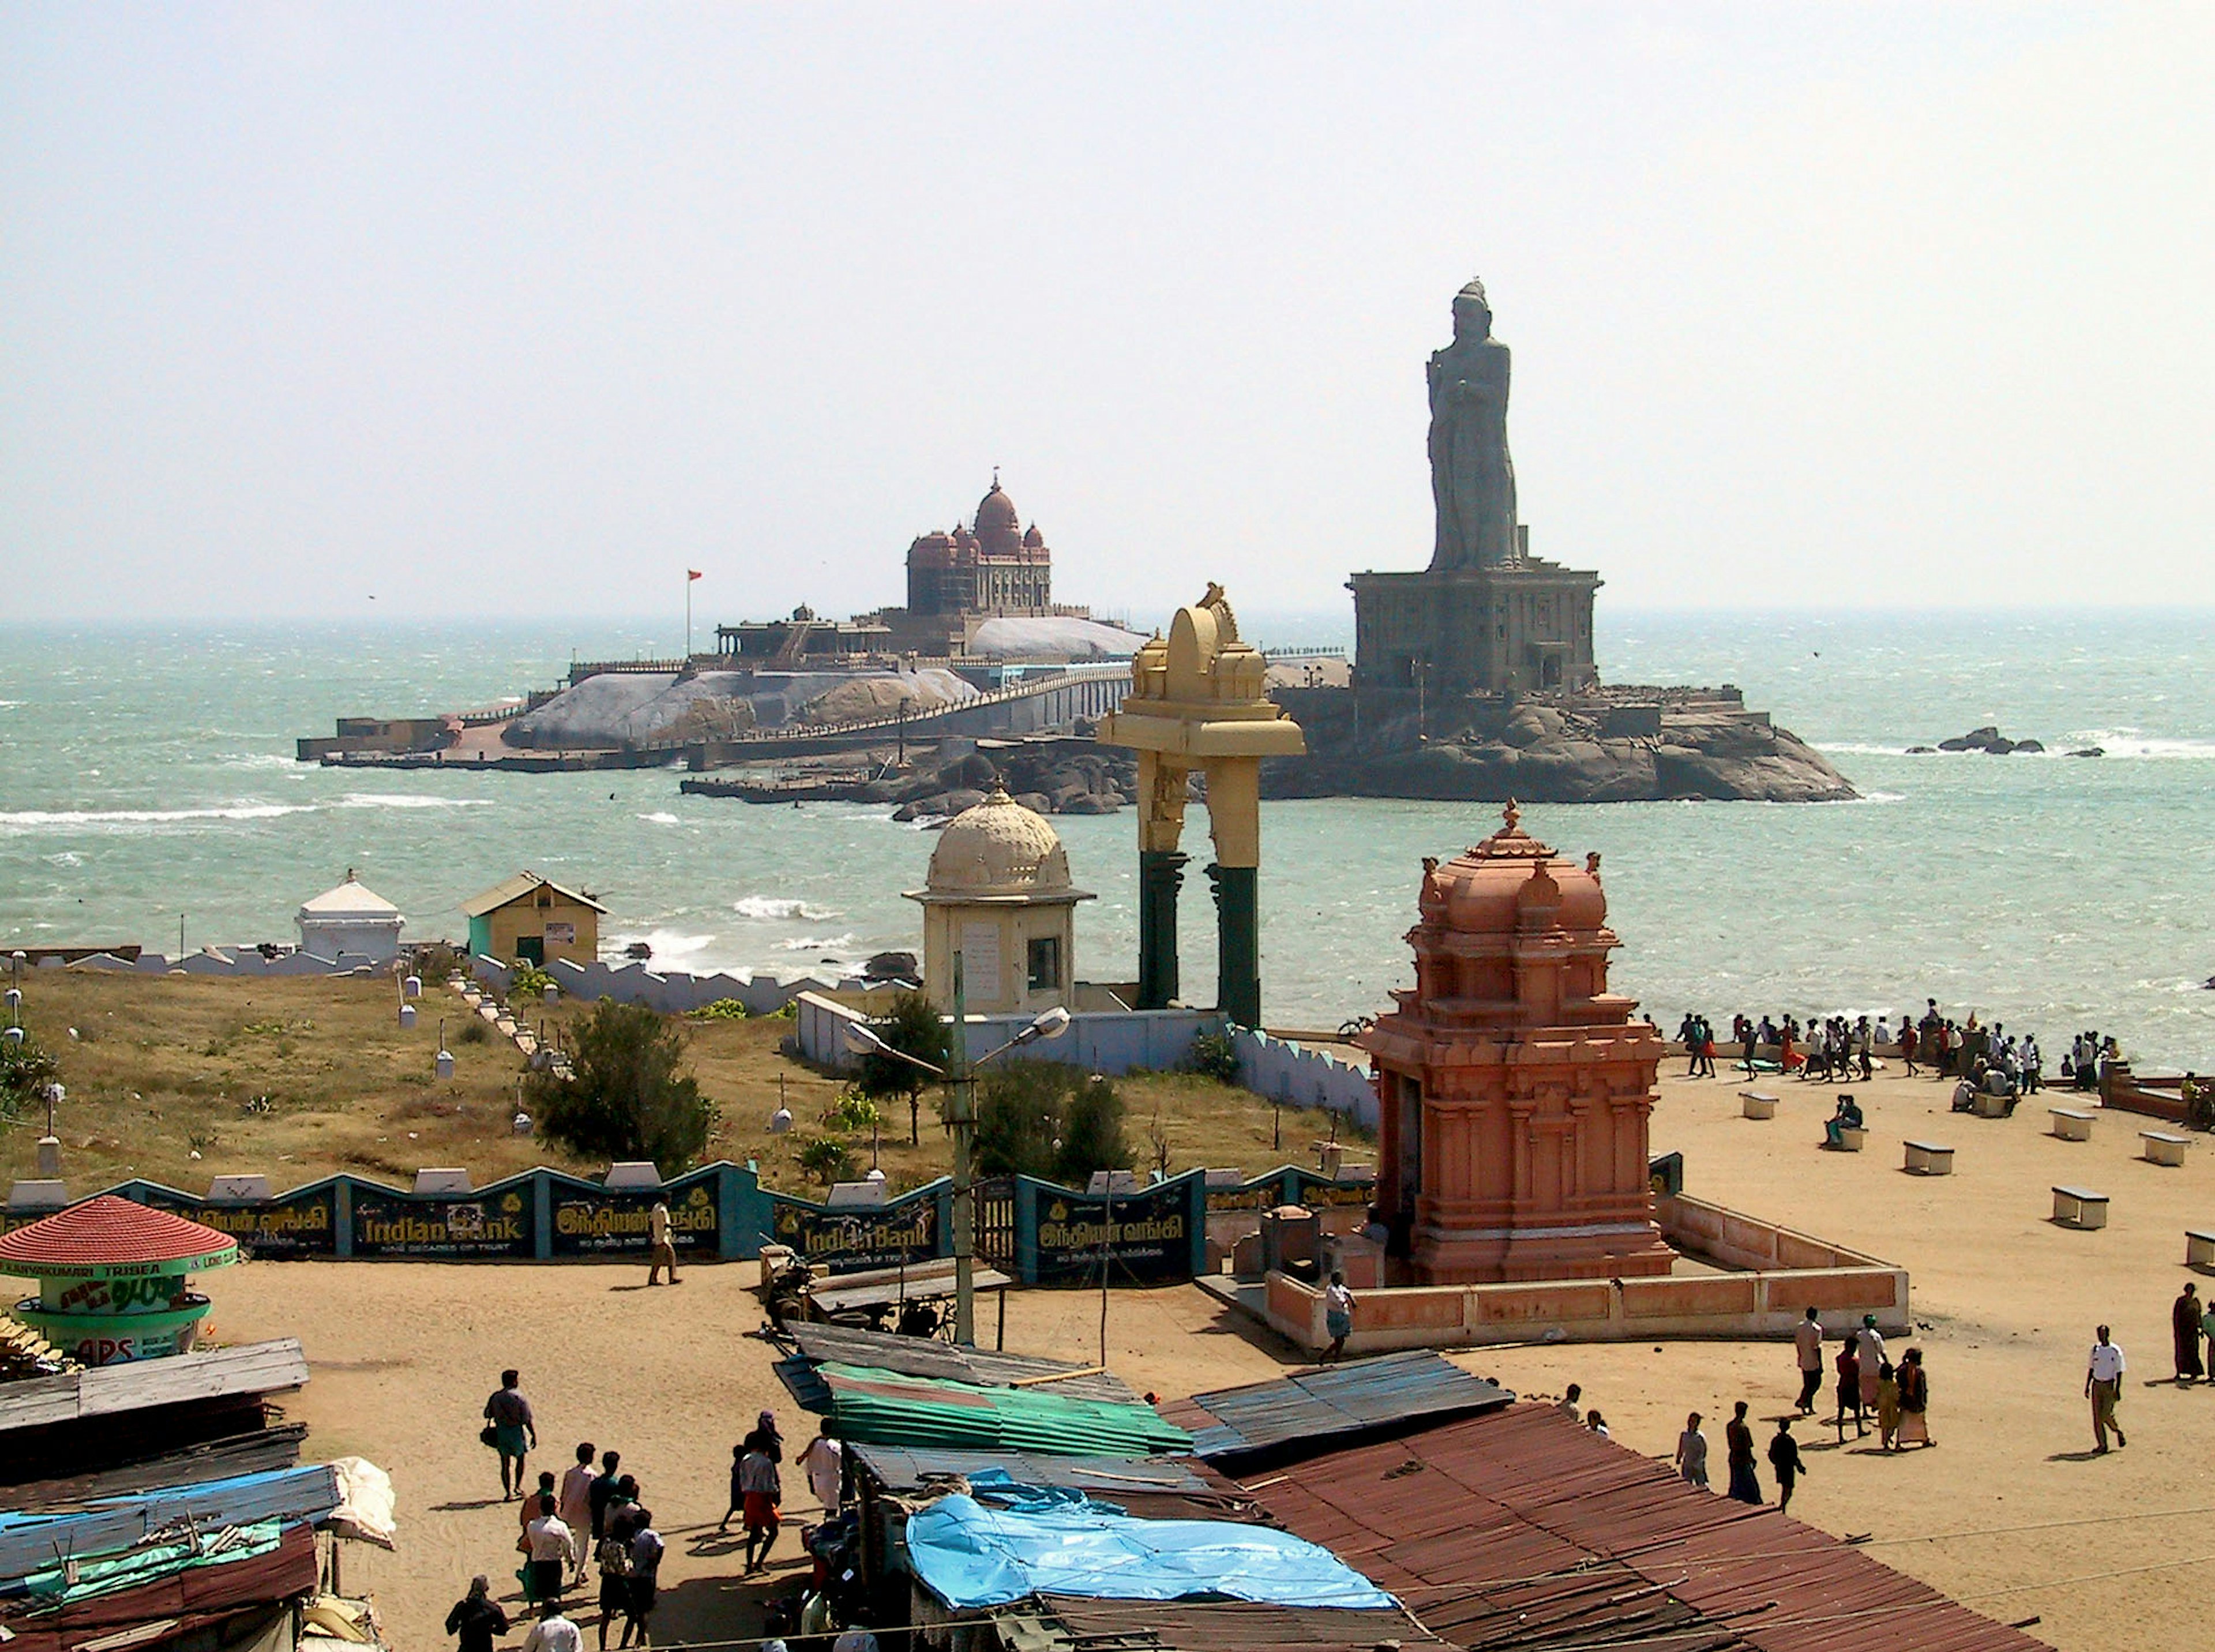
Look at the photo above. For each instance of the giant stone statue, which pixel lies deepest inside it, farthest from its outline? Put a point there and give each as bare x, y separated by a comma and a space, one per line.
1472, 477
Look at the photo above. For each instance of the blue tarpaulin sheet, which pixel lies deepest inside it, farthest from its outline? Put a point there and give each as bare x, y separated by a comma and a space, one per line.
1051, 1542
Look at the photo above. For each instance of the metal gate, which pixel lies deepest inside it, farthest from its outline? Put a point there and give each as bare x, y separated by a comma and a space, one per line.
996, 1221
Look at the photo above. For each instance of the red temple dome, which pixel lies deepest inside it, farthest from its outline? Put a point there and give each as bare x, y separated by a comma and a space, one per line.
106, 1231
1498, 885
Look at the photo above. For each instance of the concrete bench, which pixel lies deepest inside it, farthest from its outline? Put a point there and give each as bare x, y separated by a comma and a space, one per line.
2070, 1123
2080, 1208
1928, 1159
2164, 1146
1987, 1106
2199, 1247
1756, 1105
1852, 1139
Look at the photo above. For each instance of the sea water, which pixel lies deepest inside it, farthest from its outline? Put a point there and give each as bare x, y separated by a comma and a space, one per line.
147, 777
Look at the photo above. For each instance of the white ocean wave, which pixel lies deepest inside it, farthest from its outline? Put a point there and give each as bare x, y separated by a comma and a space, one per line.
1858, 748
1882, 797
659, 817
774, 907
33, 819
2129, 743
820, 943
409, 799
64, 858
670, 946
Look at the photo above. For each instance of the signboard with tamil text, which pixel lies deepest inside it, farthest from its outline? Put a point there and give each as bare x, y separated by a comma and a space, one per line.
502, 1221
590, 1221
842, 1239
301, 1222
1143, 1237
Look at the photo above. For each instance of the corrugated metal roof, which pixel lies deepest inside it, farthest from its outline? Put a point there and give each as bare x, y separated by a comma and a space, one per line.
920, 1356
1065, 1623
1150, 1488
1331, 1403
868, 1404
1518, 1531
900, 1468
29, 1541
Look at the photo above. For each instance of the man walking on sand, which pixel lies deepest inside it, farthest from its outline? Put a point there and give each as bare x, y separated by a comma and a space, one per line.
1807, 1344
2103, 1384
1337, 1316
2184, 1320
1872, 1358
575, 1502
1784, 1457
553, 1632
512, 1432
665, 1253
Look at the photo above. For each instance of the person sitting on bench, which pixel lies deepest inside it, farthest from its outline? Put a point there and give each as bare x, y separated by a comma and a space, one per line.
1848, 1117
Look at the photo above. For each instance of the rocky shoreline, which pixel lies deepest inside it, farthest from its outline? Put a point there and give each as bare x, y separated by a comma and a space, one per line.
1615, 748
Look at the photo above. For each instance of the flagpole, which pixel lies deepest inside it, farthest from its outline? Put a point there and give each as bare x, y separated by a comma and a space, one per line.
688, 614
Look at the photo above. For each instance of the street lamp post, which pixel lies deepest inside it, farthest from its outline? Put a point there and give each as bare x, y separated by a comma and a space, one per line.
960, 1077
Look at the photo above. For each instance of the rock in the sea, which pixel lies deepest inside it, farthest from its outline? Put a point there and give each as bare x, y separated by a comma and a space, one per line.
1556, 752
1921, 750
2091, 750
2029, 745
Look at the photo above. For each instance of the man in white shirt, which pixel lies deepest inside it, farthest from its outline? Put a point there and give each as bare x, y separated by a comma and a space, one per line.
2103, 1384
575, 1503
824, 1462
1872, 1350
553, 1632
553, 1550
664, 1253
1807, 1344
1337, 1316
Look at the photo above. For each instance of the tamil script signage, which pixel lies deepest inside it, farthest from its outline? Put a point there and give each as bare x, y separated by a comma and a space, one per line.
1292, 1186
499, 1222
843, 1239
590, 1221
302, 1223
1142, 1237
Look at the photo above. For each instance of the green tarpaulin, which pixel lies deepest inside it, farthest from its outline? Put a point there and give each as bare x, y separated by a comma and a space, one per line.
916, 1412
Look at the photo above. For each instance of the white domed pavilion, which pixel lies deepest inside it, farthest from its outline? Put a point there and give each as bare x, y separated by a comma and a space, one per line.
999, 893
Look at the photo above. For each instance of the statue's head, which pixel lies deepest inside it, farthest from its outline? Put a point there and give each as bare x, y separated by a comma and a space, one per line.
1472, 314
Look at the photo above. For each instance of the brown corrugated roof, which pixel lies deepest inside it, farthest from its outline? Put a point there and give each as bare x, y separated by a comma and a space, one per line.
1074, 1623
1518, 1531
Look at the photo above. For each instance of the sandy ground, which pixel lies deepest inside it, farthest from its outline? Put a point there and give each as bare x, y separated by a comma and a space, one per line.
403, 1355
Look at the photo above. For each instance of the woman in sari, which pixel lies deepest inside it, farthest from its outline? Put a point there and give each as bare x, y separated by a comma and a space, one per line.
1914, 1400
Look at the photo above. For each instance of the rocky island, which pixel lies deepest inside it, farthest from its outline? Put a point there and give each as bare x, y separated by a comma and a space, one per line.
1475, 678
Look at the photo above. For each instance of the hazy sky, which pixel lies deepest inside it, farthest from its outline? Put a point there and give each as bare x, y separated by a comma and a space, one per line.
518, 311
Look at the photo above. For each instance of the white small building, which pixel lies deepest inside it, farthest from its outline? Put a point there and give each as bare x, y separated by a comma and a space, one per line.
999, 893
353, 919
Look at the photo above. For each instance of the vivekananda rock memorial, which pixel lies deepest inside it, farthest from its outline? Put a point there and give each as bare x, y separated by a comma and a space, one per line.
1514, 1089
1476, 678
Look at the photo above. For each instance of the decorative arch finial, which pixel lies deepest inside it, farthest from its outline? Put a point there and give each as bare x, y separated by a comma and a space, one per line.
1511, 814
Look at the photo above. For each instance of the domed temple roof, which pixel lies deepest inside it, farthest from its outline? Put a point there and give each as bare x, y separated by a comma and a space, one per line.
1494, 888
998, 852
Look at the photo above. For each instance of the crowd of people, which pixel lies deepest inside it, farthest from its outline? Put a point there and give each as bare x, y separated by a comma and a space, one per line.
1838, 1049
593, 1518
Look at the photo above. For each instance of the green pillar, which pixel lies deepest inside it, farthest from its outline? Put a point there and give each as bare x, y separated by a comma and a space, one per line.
1160, 873
1237, 946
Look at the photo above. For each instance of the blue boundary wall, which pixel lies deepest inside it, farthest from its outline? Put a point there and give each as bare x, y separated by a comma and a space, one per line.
917, 1226
1156, 1234
719, 1211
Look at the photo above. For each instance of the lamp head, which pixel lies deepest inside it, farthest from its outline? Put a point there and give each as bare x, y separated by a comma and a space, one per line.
1053, 1024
